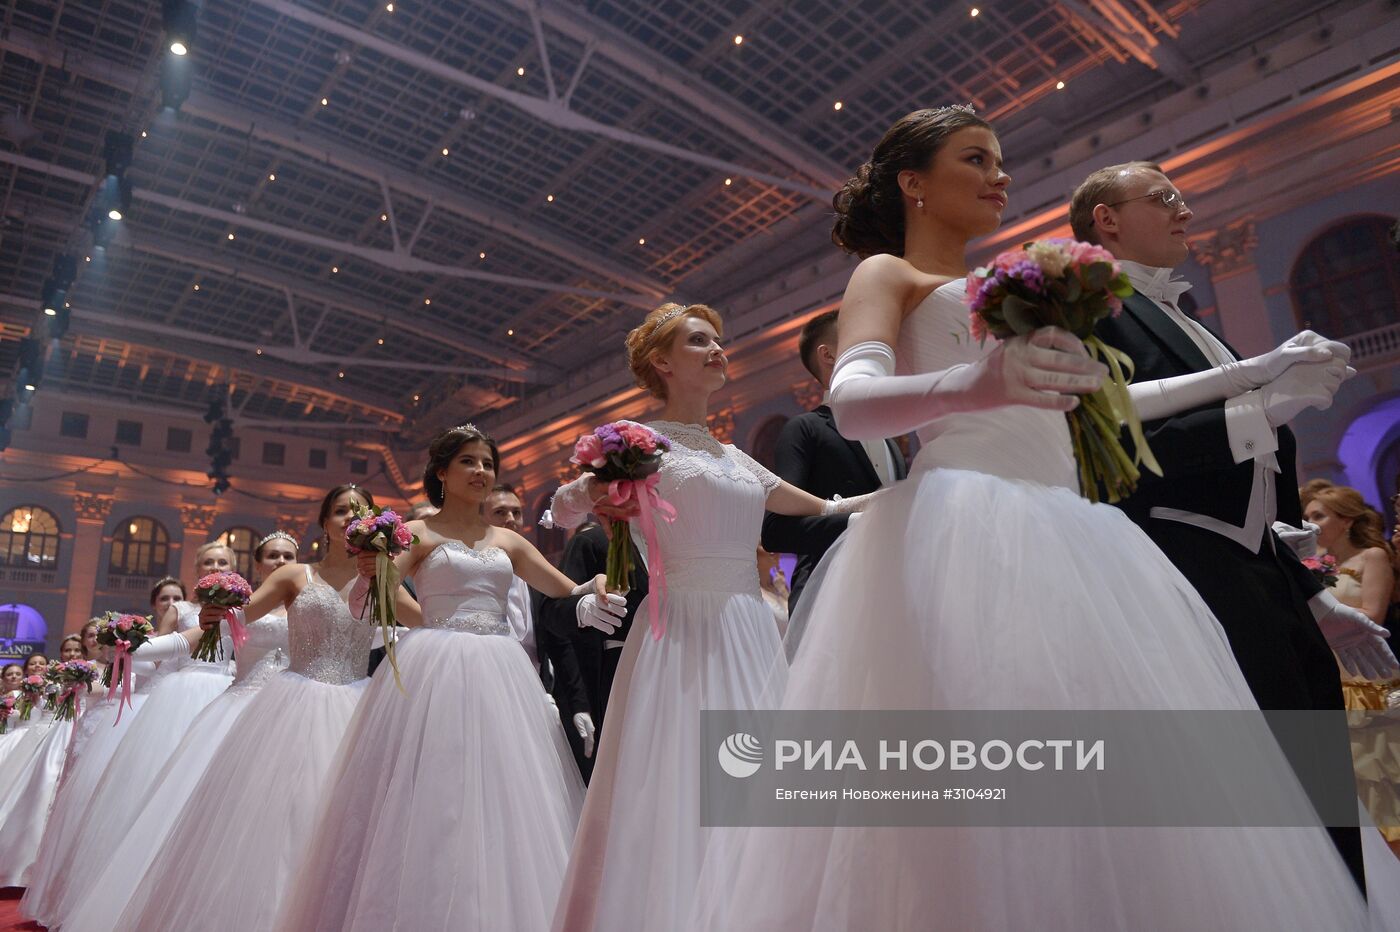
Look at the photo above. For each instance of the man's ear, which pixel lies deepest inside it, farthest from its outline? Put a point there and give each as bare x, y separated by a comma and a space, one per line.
1105, 220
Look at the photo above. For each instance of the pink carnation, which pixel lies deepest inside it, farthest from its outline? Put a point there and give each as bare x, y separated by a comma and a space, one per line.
589, 451
124, 625
638, 436
403, 537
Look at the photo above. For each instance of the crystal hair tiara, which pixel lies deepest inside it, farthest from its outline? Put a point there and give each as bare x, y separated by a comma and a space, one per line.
279, 534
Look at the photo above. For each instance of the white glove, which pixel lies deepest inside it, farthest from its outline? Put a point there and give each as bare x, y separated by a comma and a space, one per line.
1306, 385
164, 647
1302, 541
592, 612
1358, 642
1304, 347
1044, 369
852, 505
583, 724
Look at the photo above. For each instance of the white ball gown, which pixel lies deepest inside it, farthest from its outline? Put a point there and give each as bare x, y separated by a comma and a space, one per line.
95, 901
986, 582
27, 785
180, 690
14, 738
640, 845
241, 832
96, 737
453, 806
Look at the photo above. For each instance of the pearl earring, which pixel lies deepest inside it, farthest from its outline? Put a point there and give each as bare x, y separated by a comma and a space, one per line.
919, 203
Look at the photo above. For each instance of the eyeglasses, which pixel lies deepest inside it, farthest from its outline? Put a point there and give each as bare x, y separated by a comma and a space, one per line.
1171, 200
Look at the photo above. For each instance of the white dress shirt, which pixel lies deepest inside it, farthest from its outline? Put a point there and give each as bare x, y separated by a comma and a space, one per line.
1247, 429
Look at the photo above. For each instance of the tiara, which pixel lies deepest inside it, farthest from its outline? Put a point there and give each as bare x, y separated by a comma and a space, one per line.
469, 426
670, 315
280, 534
961, 108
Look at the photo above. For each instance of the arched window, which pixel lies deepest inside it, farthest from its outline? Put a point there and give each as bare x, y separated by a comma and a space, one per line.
764, 445
140, 547
1347, 281
29, 538
242, 541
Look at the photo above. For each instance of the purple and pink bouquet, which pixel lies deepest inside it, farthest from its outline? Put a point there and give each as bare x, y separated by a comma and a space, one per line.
73, 678
7, 708
1324, 568
382, 532
627, 456
228, 591
32, 690
123, 634
1071, 285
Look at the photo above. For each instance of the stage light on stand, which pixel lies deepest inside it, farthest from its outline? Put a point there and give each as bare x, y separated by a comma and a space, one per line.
180, 18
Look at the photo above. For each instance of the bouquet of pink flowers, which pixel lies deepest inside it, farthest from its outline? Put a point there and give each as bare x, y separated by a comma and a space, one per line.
122, 633
382, 532
32, 690
7, 708
73, 678
228, 591
627, 456
1071, 285
1324, 568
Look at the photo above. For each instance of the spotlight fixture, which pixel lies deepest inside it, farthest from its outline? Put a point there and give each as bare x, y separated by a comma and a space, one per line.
974, 11
114, 197
117, 150
180, 20
174, 83
31, 363
520, 71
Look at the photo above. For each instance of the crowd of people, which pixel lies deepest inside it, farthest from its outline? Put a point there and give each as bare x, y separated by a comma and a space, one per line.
527, 755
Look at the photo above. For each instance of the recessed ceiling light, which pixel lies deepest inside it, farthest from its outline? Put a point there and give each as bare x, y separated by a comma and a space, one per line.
975, 11
143, 134
340, 375
738, 40
383, 217
389, 7
481, 255
335, 270
1059, 85
259, 351
520, 71
427, 301
641, 241
444, 151
381, 341
271, 176
196, 287
549, 198
325, 102
230, 236
837, 106
728, 182
510, 333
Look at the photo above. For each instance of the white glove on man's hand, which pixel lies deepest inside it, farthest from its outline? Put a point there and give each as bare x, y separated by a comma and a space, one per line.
1301, 540
1303, 386
599, 608
1305, 347
1358, 642
583, 723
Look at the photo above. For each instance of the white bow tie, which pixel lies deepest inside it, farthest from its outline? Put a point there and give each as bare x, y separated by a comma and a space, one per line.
1165, 289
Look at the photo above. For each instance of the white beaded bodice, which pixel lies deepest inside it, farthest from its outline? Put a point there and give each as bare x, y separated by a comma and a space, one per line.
718, 492
266, 651
463, 589
1016, 442
325, 641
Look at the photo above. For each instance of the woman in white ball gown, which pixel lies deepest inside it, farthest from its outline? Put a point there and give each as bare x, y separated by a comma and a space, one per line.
265, 653
242, 830
986, 582
640, 845
454, 801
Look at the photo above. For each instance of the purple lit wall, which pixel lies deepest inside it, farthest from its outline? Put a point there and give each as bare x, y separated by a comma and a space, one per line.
1363, 443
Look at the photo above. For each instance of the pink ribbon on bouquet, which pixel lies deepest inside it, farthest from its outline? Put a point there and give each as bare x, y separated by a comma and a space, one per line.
650, 506
237, 630
121, 660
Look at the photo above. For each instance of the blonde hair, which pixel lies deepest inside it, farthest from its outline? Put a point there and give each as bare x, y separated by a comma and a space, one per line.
1308, 489
1101, 187
1367, 529
209, 545
654, 335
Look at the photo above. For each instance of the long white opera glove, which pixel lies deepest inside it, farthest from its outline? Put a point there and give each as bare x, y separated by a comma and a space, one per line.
1303, 386
592, 612
1358, 642
583, 724
164, 647
571, 503
853, 505
1044, 369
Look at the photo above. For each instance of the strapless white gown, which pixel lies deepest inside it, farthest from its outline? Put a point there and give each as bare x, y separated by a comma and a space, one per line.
26, 794
242, 831
986, 582
453, 806
640, 844
95, 901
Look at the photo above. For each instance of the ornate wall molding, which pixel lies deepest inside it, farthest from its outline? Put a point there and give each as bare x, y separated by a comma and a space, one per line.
1227, 250
92, 506
808, 394
198, 519
721, 424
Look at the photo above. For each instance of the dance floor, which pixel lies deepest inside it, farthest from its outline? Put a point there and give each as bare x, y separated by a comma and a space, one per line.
10, 919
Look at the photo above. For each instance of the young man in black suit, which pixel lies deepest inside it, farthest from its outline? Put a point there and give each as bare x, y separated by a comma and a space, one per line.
1227, 458
813, 456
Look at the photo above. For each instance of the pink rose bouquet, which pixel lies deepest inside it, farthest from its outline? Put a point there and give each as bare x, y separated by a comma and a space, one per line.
123, 634
627, 456
7, 708
74, 679
382, 532
228, 591
1324, 568
32, 690
1071, 285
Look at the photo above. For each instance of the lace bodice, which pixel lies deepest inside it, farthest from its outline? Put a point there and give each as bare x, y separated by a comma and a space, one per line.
264, 653
1016, 442
462, 589
325, 641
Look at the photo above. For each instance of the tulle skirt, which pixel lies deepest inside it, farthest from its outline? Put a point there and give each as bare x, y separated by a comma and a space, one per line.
96, 737
96, 901
637, 859
961, 590
27, 802
172, 704
18, 744
452, 807
241, 834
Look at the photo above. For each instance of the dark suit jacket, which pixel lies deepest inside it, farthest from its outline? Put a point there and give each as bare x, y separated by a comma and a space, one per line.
813, 456
1200, 472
